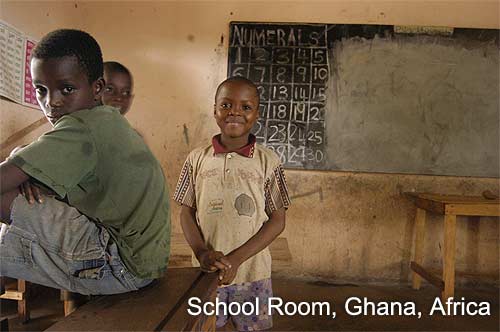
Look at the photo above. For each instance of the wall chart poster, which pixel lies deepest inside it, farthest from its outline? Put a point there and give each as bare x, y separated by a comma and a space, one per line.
15, 77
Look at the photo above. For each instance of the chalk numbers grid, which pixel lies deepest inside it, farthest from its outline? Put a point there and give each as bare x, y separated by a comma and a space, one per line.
290, 67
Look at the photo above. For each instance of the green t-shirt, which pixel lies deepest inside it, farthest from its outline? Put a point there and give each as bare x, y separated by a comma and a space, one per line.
96, 161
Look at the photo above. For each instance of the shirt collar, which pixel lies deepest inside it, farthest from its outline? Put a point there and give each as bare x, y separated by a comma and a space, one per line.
245, 151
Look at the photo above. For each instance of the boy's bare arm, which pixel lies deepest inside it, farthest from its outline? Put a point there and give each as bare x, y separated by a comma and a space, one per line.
27, 189
268, 232
11, 177
210, 260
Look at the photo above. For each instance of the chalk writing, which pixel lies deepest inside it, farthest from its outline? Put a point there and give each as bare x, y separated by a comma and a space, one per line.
290, 66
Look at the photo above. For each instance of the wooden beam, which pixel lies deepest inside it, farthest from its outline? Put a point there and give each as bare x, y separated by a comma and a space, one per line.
431, 206
178, 319
473, 209
23, 132
432, 279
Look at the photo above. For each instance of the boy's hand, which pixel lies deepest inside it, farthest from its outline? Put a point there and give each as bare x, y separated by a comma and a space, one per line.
211, 261
31, 192
227, 276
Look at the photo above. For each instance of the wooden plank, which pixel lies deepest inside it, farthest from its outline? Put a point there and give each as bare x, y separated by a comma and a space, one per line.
430, 205
419, 244
205, 288
473, 209
432, 279
23, 132
450, 222
11, 294
454, 198
149, 306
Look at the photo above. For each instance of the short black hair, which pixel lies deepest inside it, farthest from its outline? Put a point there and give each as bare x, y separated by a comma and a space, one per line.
116, 67
239, 79
69, 42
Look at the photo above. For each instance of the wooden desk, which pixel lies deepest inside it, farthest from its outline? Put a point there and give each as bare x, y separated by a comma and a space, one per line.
158, 307
450, 206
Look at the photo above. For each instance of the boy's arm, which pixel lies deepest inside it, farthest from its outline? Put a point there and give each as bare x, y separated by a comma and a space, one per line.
210, 260
267, 233
28, 189
11, 177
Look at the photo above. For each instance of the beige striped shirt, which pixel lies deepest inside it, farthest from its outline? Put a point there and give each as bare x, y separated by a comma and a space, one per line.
233, 195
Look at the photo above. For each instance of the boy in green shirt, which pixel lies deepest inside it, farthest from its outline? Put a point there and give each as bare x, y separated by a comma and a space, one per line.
107, 229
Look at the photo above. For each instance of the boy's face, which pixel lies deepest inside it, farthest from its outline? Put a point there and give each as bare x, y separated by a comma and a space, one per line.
62, 87
118, 91
236, 109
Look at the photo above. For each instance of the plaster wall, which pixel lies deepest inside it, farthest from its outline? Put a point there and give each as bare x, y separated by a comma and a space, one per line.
350, 226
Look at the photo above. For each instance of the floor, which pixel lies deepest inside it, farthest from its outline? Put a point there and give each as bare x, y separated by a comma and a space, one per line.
46, 308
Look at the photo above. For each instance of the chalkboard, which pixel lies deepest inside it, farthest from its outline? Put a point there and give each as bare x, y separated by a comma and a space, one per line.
360, 97
290, 66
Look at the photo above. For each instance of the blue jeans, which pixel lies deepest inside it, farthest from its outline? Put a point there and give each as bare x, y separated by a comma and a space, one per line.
53, 244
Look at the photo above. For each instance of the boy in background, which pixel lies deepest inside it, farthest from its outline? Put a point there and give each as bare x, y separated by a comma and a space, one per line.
234, 196
118, 91
107, 230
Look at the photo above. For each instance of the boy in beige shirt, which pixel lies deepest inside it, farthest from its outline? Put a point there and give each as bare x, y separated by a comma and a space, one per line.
234, 196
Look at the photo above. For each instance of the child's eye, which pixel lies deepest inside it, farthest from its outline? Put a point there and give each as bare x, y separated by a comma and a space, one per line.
40, 90
226, 106
126, 93
68, 90
247, 107
108, 89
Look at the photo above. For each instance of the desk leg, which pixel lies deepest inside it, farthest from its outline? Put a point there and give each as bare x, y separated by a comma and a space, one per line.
419, 245
22, 306
449, 256
69, 302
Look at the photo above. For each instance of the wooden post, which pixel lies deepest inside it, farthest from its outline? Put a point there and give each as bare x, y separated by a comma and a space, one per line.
22, 305
419, 244
450, 221
69, 300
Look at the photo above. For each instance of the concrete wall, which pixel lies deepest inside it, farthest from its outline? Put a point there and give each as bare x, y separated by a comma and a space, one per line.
351, 226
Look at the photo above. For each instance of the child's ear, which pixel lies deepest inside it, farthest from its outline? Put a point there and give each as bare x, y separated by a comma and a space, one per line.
98, 87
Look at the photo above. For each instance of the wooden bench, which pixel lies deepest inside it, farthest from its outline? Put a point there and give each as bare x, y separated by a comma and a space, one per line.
161, 306
450, 206
181, 258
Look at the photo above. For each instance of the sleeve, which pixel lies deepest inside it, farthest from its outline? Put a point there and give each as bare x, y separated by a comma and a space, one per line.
60, 158
276, 191
184, 191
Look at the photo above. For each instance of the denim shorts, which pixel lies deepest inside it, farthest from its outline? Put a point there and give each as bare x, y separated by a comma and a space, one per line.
53, 244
